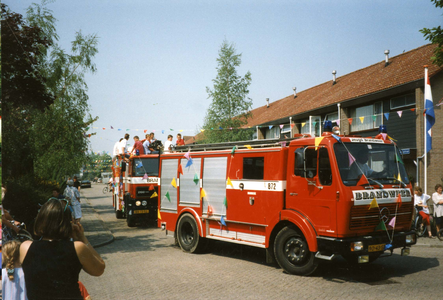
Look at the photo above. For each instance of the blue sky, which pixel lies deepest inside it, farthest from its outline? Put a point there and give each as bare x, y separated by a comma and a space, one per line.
156, 58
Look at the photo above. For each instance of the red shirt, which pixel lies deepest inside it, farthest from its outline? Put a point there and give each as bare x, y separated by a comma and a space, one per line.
138, 146
180, 142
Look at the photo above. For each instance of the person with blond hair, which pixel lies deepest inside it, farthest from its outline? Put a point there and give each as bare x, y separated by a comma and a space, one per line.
13, 278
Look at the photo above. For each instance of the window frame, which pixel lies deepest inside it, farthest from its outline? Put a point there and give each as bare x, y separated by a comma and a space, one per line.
355, 118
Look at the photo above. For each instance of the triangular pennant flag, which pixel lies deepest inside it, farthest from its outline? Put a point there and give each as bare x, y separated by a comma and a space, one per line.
222, 220
399, 159
210, 210
248, 146
270, 127
154, 195
374, 204
388, 246
412, 109
384, 136
303, 125
338, 122
189, 163
318, 141
225, 202
187, 154
281, 126
374, 118
202, 194
151, 187
229, 182
380, 226
167, 196
158, 215
314, 123
173, 183
363, 180
180, 169
362, 119
350, 121
399, 202
196, 179
145, 176
400, 112
351, 158
386, 116
292, 125
392, 222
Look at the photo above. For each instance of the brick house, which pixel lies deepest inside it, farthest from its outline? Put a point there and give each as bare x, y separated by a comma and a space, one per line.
390, 92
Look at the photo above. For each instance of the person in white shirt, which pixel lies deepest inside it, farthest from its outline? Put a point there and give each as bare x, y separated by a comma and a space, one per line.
116, 151
420, 201
437, 198
168, 144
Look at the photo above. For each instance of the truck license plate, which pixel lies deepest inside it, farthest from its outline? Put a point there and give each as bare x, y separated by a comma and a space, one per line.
142, 211
375, 248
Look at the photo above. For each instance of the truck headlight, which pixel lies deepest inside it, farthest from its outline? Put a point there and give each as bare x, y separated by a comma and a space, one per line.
144, 202
138, 203
410, 239
356, 246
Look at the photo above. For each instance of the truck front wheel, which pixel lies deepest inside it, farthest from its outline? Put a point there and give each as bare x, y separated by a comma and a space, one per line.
292, 253
187, 234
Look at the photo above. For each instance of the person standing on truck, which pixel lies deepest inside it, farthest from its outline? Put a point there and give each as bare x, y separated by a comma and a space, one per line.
146, 143
137, 146
180, 141
168, 144
437, 197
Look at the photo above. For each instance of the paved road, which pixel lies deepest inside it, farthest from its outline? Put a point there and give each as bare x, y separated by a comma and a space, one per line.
142, 263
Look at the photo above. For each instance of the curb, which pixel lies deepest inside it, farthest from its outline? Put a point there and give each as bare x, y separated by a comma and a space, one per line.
112, 238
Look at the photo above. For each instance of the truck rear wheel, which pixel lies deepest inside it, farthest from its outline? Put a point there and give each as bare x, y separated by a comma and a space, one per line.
292, 253
187, 234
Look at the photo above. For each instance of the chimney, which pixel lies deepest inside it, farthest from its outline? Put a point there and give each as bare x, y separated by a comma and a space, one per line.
295, 93
386, 57
267, 102
334, 79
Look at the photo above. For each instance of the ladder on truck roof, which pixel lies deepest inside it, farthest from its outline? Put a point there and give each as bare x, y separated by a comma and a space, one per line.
268, 143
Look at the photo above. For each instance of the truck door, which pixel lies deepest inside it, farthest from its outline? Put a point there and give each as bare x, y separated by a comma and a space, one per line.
311, 187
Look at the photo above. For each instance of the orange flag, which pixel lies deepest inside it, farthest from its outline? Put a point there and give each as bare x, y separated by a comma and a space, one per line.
180, 169
363, 180
399, 200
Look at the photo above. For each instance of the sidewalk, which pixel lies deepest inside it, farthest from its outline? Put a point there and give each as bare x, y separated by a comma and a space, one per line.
95, 230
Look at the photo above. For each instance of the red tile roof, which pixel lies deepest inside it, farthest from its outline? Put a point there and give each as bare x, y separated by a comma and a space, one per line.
404, 68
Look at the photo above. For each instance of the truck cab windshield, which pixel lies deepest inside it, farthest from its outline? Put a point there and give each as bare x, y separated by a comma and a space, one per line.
142, 166
379, 162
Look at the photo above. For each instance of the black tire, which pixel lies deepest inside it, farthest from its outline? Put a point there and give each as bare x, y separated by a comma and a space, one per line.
187, 234
130, 220
292, 253
419, 227
105, 190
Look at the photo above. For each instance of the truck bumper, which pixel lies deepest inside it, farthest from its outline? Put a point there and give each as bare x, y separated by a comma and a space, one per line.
363, 245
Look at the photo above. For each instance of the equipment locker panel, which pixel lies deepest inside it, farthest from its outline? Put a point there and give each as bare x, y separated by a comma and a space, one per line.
168, 173
214, 184
189, 187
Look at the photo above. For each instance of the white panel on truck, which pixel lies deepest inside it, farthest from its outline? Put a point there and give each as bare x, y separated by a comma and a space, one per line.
214, 184
189, 189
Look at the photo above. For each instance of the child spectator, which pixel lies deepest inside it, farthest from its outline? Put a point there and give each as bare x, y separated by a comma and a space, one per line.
13, 278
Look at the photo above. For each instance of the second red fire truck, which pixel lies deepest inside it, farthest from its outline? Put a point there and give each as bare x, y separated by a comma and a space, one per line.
304, 200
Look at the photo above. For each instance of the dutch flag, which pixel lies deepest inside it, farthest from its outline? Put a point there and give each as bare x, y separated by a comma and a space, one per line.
429, 113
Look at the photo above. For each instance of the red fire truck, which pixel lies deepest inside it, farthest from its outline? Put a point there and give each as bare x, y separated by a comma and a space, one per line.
135, 188
303, 199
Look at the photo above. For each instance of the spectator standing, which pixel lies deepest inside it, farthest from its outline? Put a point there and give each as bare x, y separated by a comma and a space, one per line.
73, 195
76, 183
137, 146
52, 264
13, 278
180, 141
168, 144
437, 198
420, 200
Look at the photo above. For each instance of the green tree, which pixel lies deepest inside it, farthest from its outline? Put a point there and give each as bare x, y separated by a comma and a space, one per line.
435, 36
229, 109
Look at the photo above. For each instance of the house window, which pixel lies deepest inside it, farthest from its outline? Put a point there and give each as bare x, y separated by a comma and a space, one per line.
311, 126
402, 101
333, 117
371, 115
